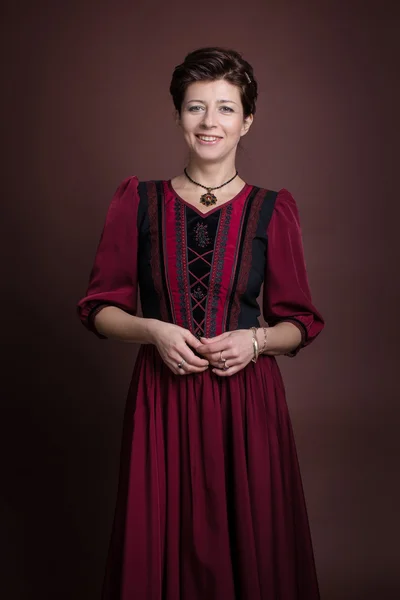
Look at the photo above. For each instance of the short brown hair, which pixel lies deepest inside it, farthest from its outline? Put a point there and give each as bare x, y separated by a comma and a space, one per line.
210, 64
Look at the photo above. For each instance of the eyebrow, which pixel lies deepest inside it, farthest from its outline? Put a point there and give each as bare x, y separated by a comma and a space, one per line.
219, 101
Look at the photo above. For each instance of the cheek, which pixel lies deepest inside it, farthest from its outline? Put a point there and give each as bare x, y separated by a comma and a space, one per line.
189, 122
234, 127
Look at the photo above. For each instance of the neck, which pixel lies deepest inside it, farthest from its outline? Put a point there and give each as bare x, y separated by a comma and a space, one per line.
210, 174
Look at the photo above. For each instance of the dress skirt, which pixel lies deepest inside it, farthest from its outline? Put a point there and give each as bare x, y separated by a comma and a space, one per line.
210, 501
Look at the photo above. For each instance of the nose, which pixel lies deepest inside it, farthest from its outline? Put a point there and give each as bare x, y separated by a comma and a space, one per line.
209, 119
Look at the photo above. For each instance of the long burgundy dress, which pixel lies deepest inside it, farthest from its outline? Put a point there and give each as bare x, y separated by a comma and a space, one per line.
210, 501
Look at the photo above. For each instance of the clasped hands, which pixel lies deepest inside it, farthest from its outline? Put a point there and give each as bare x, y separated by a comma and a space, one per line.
225, 354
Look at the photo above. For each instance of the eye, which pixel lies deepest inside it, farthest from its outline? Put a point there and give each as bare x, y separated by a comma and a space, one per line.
194, 108
227, 109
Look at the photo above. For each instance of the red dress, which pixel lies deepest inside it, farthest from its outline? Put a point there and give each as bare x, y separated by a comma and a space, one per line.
210, 501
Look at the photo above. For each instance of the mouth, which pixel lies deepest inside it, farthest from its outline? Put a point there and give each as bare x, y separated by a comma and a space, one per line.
208, 140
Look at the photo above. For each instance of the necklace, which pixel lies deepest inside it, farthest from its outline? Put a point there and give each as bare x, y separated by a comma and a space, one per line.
208, 199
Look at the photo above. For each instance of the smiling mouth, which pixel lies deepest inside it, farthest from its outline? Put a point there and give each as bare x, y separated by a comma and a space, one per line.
208, 139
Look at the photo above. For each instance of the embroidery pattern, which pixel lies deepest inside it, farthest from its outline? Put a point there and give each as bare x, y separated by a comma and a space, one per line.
216, 277
201, 235
181, 264
198, 293
199, 267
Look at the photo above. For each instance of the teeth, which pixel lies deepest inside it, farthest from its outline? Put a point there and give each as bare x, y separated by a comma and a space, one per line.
207, 138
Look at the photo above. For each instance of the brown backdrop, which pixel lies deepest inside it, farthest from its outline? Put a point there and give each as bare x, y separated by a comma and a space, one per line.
85, 104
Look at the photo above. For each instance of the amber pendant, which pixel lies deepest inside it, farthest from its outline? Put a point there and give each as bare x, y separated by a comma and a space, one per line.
208, 199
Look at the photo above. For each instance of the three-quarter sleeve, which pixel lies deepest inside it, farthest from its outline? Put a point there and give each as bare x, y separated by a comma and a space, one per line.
286, 295
113, 278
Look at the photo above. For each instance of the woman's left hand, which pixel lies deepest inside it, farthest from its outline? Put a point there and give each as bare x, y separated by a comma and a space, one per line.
229, 352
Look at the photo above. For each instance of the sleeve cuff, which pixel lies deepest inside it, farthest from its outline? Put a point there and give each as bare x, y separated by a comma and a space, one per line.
96, 308
303, 330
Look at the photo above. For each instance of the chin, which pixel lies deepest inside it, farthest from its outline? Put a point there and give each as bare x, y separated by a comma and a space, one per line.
208, 156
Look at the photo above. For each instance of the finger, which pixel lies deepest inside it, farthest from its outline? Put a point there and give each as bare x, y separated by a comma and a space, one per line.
192, 342
190, 357
222, 356
227, 372
176, 369
173, 363
213, 347
193, 370
229, 364
217, 338
172, 367
188, 370
186, 367
191, 339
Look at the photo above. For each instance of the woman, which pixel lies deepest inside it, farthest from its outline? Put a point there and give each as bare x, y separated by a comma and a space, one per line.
210, 501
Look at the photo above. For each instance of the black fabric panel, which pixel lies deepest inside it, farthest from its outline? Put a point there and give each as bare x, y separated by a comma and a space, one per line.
149, 299
249, 307
201, 235
240, 253
160, 205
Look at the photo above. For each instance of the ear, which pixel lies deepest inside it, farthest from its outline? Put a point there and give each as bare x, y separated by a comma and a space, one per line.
247, 122
177, 118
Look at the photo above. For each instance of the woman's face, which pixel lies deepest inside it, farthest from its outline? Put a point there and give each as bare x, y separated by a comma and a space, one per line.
212, 119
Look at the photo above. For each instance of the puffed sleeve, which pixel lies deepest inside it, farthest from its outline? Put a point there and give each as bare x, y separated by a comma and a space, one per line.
113, 278
286, 295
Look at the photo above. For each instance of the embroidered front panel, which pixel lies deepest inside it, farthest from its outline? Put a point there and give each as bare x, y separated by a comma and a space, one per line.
218, 269
201, 252
201, 235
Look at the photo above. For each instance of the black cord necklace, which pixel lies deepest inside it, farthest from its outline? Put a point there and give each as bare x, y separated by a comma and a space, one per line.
208, 199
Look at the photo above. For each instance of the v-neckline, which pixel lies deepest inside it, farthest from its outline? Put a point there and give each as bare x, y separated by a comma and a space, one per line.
244, 189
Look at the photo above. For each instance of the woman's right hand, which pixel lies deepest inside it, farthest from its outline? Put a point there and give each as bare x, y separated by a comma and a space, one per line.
173, 343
